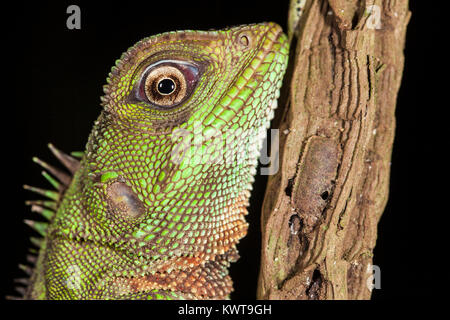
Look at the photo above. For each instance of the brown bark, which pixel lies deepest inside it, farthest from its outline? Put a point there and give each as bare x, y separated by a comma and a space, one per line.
321, 209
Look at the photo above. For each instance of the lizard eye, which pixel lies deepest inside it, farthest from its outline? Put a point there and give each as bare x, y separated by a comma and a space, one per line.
167, 83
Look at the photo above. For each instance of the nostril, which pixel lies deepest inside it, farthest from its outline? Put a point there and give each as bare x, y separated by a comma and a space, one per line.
244, 40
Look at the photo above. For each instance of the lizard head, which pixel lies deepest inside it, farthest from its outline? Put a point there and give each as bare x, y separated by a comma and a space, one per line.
214, 78
184, 117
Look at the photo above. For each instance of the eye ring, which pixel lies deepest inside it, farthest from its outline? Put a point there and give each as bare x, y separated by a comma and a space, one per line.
167, 83
161, 74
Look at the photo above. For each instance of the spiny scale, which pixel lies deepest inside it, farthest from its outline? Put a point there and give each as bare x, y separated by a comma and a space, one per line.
45, 208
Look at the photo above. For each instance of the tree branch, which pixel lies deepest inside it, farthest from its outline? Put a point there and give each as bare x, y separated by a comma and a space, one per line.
321, 210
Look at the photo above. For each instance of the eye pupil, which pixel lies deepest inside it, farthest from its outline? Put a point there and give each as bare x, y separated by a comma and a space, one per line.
166, 86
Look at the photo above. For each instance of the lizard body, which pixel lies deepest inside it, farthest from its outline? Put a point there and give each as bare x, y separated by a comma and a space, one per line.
155, 206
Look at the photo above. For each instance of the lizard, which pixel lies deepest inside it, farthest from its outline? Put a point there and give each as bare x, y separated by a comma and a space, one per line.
155, 205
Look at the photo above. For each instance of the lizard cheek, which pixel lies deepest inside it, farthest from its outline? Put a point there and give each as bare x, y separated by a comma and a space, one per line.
123, 201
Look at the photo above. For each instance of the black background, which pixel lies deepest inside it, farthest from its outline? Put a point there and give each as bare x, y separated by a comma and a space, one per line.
58, 79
